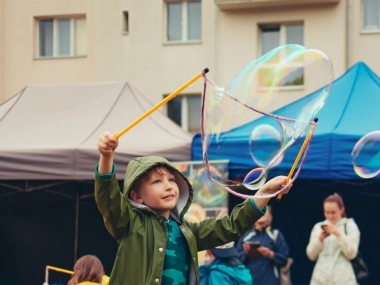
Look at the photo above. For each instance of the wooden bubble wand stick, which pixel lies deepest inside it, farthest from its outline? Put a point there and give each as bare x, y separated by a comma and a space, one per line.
60, 270
158, 105
105, 278
307, 139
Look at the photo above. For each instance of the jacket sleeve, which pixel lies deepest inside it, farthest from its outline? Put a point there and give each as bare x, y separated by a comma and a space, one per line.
315, 245
281, 250
349, 243
112, 204
214, 232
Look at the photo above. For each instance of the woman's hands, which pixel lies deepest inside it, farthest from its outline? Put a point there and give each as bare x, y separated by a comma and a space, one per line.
332, 229
328, 230
323, 235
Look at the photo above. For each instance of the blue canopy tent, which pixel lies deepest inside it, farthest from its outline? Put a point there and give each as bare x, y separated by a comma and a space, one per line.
349, 113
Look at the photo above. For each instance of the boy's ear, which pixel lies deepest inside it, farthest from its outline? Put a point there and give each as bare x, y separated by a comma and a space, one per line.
136, 196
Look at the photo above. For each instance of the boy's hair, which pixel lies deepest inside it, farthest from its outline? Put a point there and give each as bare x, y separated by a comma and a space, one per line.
160, 168
87, 268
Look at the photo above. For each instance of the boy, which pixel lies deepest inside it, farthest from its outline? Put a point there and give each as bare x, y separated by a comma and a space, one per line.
155, 244
225, 268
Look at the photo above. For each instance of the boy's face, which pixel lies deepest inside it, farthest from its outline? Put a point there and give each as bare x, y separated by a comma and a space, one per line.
160, 192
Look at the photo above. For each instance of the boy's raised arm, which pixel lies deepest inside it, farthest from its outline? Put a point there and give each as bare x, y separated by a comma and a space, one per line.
110, 201
215, 232
106, 146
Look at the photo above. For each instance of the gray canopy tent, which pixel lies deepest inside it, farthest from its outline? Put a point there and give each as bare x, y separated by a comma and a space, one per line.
49, 135
50, 131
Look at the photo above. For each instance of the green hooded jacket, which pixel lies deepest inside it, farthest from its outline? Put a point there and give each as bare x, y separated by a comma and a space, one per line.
141, 233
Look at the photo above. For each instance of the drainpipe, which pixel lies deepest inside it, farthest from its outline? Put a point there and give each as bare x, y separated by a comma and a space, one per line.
76, 229
215, 71
349, 34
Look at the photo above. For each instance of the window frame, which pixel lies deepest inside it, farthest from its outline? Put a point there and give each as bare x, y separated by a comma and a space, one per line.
363, 28
185, 114
125, 22
282, 41
184, 32
55, 20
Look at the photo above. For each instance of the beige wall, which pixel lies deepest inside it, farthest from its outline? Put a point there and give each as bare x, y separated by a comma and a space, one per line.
365, 46
142, 57
20, 64
238, 38
229, 41
2, 95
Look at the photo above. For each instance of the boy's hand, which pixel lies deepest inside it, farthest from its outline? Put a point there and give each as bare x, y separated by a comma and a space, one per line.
273, 185
270, 187
107, 144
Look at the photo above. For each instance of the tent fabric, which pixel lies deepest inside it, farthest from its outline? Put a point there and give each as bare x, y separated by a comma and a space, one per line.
351, 111
50, 132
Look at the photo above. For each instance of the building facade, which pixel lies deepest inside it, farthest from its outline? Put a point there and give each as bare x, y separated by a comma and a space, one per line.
157, 45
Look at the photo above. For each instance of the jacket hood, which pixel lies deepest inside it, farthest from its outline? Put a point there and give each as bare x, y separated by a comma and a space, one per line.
240, 273
140, 165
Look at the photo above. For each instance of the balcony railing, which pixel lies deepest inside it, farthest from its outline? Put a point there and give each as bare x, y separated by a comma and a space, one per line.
251, 4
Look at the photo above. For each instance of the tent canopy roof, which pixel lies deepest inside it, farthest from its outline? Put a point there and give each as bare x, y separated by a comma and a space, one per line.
50, 132
351, 111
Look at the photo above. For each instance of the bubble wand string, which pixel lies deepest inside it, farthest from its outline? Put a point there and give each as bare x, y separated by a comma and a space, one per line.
205, 155
162, 102
307, 138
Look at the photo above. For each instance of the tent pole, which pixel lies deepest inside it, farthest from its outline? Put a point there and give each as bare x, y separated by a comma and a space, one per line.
349, 34
76, 227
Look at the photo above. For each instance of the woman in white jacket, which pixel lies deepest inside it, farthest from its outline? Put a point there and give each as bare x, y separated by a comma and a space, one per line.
333, 243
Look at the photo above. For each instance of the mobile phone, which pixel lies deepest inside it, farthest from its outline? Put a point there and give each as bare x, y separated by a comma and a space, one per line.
253, 249
323, 226
253, 244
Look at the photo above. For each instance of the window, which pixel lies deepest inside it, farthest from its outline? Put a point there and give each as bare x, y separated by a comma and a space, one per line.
61, 37
371, 15
185, 110
272, 36
183, 21
125, 22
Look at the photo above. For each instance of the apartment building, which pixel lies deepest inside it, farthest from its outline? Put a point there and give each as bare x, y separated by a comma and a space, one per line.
157, 45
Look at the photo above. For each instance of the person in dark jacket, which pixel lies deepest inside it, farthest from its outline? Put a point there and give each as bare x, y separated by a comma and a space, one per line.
225, 268
263, 251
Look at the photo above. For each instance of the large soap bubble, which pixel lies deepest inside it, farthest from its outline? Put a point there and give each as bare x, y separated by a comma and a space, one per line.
261, 87
366, 155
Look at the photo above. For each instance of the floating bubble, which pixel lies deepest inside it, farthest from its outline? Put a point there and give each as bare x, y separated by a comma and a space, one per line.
365, 155
255, 179
242, 112
207, 193
265, 143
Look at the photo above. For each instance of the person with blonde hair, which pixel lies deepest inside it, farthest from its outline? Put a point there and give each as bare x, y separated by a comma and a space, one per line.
88, 270
333, 243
